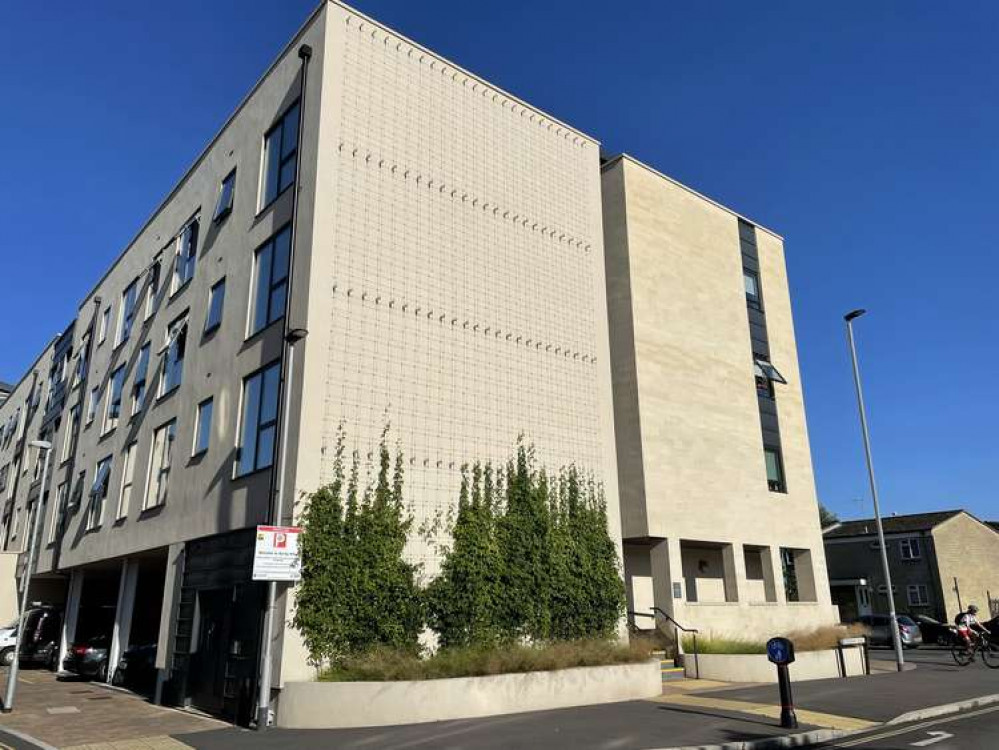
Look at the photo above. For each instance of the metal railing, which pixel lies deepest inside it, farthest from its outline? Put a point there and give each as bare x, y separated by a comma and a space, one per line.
677, 626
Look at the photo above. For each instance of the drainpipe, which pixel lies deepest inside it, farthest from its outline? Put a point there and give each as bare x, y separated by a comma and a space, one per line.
291, 337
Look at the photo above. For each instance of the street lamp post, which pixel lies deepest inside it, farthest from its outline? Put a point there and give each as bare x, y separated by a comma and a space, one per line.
896, 636
8, 701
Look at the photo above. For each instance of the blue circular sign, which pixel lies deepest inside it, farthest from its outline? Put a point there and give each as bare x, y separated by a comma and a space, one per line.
780, 651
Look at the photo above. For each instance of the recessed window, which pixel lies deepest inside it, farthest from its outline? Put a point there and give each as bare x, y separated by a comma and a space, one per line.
92, 403
909, 549
216, 300
160, 460
258, 420
112, 410
72, 430
80, 369
127, 479
790, 570
270, 281
186, 255
203, 427
58, 511
129, 307
152, 286
917, 595
173, 355
280, 149
105, 323
98, 493
751, 281
763, 369
227, 195
139, 384
775, 469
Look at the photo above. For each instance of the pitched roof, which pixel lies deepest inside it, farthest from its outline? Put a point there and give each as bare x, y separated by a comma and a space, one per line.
892, 524
993, 524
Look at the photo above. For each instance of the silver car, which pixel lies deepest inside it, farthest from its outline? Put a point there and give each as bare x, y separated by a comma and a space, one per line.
880, 627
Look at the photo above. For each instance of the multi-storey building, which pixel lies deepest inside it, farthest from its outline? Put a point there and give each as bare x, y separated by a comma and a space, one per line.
718, 506
440, 242
378, 239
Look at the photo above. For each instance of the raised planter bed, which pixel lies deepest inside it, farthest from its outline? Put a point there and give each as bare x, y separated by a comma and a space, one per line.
808, 665
328, 705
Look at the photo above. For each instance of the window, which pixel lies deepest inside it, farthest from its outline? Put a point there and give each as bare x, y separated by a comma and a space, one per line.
909, 549
270, 281
92, 403
152, 286
139, 386
917, 595
216, 298
58, 511
203, 427
752, 283
127, 478
227, 193
259, 420
98, 493
787, 562
775, 469
159, 465
102, 329
173, 355
763, 369
129, 306
80, 371
112, 410
12, 482
280, 148
186, 255
3, 476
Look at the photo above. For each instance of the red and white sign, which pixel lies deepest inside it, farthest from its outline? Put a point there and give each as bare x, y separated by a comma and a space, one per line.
275, 556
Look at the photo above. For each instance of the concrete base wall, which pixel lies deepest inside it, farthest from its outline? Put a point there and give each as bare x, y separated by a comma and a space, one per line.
324, 705
808, 665
8, 587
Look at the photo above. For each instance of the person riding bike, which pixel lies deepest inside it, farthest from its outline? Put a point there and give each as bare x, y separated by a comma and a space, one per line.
967, 622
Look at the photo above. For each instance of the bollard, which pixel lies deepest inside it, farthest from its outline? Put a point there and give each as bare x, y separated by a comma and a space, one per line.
780, 651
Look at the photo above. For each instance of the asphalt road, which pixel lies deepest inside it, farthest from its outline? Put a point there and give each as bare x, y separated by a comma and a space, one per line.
973, 730
10, 741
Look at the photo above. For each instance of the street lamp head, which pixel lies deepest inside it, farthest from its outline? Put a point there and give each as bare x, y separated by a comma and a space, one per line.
295, 335
853, 314
44, 445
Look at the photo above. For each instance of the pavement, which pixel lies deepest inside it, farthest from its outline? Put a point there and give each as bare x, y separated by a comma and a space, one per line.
852, 712
72, 714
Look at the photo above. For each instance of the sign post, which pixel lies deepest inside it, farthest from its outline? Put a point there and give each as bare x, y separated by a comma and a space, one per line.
275, 555
780, 651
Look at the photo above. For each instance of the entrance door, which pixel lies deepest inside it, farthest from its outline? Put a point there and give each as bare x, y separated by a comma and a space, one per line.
208, 661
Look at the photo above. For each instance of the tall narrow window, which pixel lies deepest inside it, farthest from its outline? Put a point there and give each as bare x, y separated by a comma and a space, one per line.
270, 283
280, 149
105, 323
259, 420
80, 369
127, 478
227, 194
216, 299
775, 469
909, 549
203, 427
752, 283
787, 562
139, 385
72, 430
92, 403
173, 355
98, 493
159, 465
58, 511
112, 410
186, 256
152, 286
129, 309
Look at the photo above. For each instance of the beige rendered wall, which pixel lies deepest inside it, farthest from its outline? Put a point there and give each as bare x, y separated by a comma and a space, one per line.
8, 587
967, 550
456, 287
694, 452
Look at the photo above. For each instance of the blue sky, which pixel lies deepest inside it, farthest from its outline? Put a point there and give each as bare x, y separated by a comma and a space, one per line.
865, 133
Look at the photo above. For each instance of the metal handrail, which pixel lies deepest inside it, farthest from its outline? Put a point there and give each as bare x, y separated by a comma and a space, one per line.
693, 631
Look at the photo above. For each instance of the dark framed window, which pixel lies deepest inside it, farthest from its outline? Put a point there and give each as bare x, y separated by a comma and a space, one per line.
173, 355
186, 255
141, 373
751, 281
909, 549
279, 157
203, 427
258, 420
98, 493
216, 299
129, 307
112, 408
775, 469
227, 196
789, 568
270, 280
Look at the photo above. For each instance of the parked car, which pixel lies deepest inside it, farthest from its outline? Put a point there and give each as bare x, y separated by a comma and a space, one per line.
9, 628
137, 669
42, 630
879, 626
934, 631
89, 657
8, 640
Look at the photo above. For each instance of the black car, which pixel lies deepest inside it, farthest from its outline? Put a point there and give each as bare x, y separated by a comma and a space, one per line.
137, 669
40, 644
934, 631
89, 657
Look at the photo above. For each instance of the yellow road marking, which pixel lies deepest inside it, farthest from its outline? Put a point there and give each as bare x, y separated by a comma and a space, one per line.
771, 711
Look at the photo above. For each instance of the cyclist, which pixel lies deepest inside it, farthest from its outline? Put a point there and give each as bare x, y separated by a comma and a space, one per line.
967, 622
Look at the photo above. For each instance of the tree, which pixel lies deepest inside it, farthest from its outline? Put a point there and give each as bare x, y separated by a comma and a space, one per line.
826, 516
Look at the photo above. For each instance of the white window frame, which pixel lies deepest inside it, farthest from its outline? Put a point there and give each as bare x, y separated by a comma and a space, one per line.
910, 549
198, 419
127, 317
127, 480
921, 599
97, 498
181, 259
104, 325
116, 393
72, 430
160, 463
141, 379
152, 286
58, 510
170, 349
